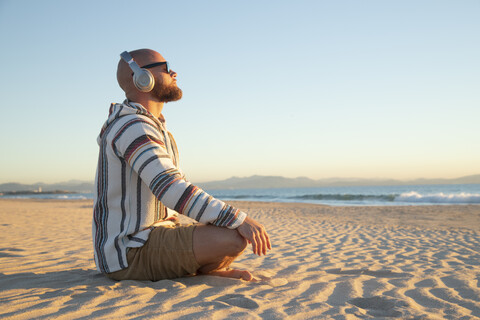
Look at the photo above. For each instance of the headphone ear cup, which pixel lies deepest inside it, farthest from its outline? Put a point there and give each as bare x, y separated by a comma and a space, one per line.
144, 80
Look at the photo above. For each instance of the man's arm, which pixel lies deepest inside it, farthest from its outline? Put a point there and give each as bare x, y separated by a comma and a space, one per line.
142, 147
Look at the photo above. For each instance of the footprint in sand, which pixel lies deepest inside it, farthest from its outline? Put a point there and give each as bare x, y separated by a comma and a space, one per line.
379, 306
238, 300
277, 282
273, 282
269, 279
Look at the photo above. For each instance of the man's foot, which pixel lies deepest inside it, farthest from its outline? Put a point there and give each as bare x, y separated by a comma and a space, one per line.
233, 273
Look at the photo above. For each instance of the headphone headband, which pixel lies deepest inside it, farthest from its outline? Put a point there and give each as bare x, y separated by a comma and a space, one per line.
131, 63
126, 56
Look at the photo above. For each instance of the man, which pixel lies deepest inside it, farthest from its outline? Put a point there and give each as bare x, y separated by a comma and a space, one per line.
138, 178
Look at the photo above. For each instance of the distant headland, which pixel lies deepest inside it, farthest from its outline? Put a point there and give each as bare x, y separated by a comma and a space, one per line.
252, 182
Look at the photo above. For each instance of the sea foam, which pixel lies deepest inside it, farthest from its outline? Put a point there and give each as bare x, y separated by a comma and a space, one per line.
415, 197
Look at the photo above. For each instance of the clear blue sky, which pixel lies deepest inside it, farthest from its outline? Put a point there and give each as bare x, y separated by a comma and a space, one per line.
380, 89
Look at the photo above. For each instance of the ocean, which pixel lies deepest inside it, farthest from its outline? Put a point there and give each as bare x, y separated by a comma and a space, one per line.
362, 195
460, 194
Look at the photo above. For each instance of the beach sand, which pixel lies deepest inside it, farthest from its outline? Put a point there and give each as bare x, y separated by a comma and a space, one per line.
413, 262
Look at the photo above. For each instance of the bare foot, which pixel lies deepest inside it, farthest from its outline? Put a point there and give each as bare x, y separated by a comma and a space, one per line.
233, 273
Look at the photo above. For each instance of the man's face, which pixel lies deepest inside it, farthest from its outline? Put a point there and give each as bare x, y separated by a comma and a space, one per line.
165, 89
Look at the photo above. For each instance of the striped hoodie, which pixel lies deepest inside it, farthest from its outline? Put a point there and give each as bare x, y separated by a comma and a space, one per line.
137, 179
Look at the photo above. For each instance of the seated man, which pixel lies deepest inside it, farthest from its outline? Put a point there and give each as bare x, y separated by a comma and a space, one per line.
139, 185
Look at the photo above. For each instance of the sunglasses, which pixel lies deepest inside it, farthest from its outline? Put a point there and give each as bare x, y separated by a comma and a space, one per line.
153, 65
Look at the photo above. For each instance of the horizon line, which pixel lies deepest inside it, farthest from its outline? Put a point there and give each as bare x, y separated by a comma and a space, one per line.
266, 176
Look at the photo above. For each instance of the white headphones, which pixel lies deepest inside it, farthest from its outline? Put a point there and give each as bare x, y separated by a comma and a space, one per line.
142, 78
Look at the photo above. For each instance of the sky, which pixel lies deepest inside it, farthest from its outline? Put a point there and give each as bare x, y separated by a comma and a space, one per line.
321, 89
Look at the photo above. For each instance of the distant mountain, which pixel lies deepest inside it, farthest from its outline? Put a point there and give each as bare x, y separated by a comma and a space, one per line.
253, 182
263, 182
462, 180
259, 182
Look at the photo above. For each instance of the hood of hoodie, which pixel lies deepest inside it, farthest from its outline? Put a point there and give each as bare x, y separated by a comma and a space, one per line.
118, 110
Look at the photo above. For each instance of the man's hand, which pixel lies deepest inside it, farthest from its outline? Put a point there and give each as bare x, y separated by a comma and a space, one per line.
255, 234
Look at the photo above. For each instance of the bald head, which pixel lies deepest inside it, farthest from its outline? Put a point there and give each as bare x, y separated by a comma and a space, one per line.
124, 73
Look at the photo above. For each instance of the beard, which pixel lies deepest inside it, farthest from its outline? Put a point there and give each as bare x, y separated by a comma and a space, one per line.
167, 93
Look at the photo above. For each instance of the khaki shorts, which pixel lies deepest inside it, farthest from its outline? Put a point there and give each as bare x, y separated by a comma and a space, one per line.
167, 254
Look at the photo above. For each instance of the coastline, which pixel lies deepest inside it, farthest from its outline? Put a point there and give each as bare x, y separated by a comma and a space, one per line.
326, 262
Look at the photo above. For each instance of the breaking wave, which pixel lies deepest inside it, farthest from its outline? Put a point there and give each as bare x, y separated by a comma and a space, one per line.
459, 198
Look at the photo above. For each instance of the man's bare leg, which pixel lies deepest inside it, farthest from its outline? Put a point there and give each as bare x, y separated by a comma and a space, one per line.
215, 249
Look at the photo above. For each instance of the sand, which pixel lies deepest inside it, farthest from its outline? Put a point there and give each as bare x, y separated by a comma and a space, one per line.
416, 262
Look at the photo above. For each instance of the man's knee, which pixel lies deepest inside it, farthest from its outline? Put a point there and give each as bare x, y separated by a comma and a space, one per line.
211, 244
239, 244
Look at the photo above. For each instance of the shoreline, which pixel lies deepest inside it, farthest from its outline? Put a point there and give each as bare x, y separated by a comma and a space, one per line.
432, 216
